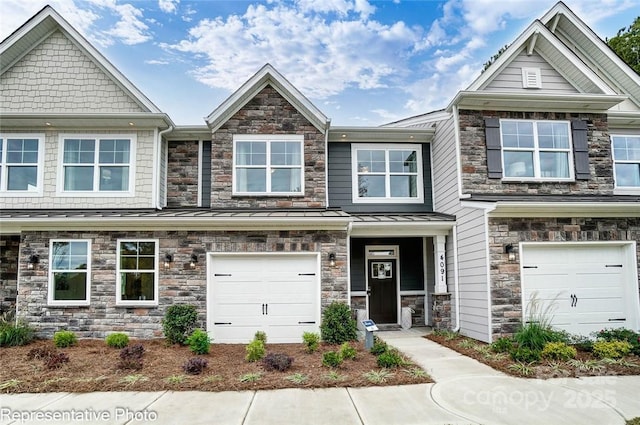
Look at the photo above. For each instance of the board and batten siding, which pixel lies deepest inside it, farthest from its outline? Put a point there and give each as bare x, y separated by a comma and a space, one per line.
510, 79
471, 237
340, 183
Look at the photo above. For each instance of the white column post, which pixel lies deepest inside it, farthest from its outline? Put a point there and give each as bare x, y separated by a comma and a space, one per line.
441, 264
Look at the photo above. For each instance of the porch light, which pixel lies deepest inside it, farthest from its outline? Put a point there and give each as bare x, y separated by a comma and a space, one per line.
510, 250
33, 260
168, 259
194, 260
332, 259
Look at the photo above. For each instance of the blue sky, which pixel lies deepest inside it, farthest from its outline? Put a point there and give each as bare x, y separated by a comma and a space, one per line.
362, 62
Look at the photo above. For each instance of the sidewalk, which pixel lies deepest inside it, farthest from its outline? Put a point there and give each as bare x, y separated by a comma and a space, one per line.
465, 392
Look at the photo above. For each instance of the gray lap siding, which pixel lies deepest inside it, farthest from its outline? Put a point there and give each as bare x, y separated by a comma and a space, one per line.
180, 284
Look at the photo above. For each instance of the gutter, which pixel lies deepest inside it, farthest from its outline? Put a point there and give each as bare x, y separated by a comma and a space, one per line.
456, 283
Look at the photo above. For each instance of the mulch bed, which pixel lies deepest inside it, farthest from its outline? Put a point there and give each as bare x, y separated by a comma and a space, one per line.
94, 367
543, 370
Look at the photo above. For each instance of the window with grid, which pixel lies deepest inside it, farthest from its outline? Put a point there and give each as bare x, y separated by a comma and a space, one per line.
626, 157
387, 173
536, 150
265, 165
19, 168
96, 164
70, 272
137, 272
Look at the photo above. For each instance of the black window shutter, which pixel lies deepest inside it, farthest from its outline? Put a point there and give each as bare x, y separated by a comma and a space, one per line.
494, 147
580, 149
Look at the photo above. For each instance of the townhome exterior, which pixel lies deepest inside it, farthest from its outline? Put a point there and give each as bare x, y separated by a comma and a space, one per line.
266, 213
543, 176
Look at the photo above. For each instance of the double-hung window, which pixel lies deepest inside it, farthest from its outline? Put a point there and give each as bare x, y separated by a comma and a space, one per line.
137, 272
536, 150
21, 164
92, 164
626, 157
70, 272
268, 165
383, 173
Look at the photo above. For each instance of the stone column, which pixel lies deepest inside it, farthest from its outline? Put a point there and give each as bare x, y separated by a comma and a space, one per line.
441, 311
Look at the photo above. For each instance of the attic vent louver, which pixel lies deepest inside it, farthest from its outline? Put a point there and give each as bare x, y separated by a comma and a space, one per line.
531, 78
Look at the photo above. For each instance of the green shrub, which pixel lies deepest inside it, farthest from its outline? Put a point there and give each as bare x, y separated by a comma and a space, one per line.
178, 323
63, 339
255, 351
379, 346
535, 335
525, 355
611, 349
502, 345
13, 335
199, 342
347, 351
260, 336
581, 342
622, 334
337, 324
331, 359
558, 351
117, 340
390, 359
277, 361
311, 340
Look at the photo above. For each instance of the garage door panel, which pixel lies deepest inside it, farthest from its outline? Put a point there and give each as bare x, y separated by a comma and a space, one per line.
237, 334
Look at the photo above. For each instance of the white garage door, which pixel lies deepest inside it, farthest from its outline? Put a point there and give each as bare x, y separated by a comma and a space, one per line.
278, 294
590, 287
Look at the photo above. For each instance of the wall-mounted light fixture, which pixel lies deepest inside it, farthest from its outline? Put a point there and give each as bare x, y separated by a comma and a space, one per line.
510, 250
194, 260
332, 259
168, 259
33, 260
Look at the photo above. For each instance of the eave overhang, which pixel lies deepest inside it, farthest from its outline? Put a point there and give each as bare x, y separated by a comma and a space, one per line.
381, 134
557, 209
93, 121
534, 102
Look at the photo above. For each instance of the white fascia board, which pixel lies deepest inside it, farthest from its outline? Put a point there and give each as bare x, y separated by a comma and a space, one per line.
566, 209
377, 134
420, 120
17, 225
389, 229
537, 29
267, 75
94, 121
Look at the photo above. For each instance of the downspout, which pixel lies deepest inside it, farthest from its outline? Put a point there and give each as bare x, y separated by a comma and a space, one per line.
326, 163
159, 166
455, 278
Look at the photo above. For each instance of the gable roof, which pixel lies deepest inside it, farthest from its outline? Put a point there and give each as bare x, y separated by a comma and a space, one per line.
44, 23
562, 21
267, 75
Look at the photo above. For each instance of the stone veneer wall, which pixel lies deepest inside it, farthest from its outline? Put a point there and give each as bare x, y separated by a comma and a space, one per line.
9, 251
178, 285
441, 311
473, 156
182, 174
268, 113
506, 301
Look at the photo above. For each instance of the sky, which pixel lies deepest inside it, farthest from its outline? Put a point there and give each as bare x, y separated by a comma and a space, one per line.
361, 62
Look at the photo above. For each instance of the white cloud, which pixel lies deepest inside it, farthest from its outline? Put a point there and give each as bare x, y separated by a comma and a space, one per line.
168, 6
319, 56
156, 62
130, 29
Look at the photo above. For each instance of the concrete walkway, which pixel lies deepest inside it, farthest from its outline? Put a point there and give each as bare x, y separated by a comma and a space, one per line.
466, 392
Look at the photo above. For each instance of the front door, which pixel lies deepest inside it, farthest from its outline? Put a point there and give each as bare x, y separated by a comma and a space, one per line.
382, 290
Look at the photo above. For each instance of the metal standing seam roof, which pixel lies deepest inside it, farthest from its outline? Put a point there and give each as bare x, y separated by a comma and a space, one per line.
402, 218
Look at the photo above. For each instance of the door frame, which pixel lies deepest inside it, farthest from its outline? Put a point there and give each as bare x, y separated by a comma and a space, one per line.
369, 254
210, 256
630, 258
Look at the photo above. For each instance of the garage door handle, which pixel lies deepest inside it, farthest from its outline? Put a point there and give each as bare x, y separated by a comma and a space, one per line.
313, 323
306, 274
574, 300
222, 274
265, 309
618, 320
221, 323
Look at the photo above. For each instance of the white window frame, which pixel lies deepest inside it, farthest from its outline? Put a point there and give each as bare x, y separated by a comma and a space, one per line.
536, 153
156, 276
50, 298
4, 172
623, 190
96, 192
387, 199
268, 138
